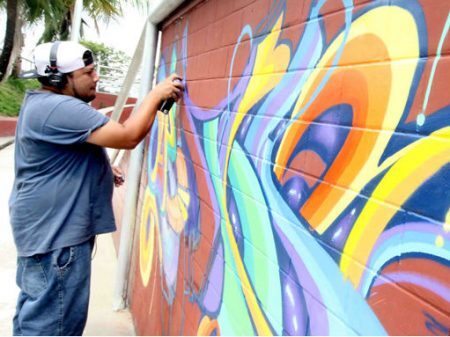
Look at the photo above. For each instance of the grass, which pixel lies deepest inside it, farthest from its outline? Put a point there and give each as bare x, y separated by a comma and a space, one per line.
11, 95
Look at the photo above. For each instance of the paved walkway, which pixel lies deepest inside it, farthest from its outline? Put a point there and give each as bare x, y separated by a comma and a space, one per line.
102, 320
8, 288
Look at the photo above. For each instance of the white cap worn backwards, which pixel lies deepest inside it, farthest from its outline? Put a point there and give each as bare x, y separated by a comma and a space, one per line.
70, 56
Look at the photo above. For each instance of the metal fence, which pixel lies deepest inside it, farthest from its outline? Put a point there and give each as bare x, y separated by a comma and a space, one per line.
111, 80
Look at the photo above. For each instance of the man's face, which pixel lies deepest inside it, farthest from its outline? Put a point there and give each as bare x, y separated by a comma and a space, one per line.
82, 83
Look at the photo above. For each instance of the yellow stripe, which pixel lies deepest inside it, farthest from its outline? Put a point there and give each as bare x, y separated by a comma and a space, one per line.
423, 159
447, 222
159, 143
165, 195
182, 207
184, 196
268, 54
262, 327
381, 22
207, 326
146, 246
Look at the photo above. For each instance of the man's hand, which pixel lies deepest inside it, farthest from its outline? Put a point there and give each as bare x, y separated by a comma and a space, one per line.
119, 177
134, 129
171, 87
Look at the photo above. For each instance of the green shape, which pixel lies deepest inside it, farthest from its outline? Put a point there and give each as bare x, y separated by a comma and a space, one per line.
259, 243
234, 318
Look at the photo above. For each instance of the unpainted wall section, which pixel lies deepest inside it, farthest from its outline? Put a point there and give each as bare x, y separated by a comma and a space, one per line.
301, 188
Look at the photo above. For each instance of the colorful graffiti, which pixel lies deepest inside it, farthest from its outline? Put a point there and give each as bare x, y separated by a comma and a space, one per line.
312, 197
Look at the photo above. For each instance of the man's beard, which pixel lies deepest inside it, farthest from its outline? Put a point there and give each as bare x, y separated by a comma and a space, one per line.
84, 98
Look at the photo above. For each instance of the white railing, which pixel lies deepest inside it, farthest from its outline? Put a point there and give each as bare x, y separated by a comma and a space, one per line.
111, 80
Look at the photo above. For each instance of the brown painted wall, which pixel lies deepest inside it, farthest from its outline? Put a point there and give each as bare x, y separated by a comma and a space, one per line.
8, 126
302, 185
105, 100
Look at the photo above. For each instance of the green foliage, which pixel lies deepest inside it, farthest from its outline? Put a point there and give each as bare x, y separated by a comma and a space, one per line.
11, 95
112, 65
57, 15
100, 50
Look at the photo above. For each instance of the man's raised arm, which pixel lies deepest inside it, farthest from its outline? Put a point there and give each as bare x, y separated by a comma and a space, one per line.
134, 129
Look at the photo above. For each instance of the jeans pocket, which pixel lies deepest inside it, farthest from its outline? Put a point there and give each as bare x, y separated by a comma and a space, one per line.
63, 258
34, 281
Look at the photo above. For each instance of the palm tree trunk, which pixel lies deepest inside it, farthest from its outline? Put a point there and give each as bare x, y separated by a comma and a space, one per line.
8, 44
15, 61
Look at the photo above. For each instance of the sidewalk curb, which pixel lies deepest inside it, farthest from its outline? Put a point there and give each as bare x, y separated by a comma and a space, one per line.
8, 126
6, 144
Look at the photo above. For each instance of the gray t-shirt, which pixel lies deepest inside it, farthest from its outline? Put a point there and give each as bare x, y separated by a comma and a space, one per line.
62, 193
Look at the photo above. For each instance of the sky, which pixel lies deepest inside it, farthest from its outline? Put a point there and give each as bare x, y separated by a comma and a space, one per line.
122, 34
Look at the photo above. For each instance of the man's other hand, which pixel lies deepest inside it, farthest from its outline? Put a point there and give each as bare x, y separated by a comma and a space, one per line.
119, 177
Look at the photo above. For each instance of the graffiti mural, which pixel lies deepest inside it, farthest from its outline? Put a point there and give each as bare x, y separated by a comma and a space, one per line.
302, 186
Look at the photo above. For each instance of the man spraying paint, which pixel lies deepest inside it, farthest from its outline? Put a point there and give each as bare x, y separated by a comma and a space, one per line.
61, 197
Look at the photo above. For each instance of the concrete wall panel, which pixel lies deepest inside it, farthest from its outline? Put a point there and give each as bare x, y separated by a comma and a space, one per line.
301, 188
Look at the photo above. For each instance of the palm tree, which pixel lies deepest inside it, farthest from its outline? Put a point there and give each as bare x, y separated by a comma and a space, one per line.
12, 11
57, 16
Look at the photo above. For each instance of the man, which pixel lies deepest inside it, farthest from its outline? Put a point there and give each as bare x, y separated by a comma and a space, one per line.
62, 192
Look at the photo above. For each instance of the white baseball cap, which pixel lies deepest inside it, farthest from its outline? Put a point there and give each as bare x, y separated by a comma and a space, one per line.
70, 56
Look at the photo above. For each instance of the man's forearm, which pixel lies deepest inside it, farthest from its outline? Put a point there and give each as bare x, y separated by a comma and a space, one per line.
134, 129
139, 123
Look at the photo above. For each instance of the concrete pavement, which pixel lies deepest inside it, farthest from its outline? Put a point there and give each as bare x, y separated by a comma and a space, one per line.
102, 320
8, 288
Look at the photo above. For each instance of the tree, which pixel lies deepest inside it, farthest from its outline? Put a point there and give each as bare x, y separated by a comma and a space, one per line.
57, 16
112, 65
12, 10
17, 11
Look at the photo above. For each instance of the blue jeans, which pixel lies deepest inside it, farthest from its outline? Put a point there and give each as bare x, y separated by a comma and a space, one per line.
54, 292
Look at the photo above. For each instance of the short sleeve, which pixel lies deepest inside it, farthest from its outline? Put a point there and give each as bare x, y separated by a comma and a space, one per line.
71, 122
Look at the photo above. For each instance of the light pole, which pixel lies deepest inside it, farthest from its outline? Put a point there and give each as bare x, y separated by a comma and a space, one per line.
76, 22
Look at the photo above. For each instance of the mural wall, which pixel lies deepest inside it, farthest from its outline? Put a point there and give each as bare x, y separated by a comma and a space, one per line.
302, 187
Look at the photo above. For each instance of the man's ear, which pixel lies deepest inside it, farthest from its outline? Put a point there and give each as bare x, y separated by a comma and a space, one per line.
67, 89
